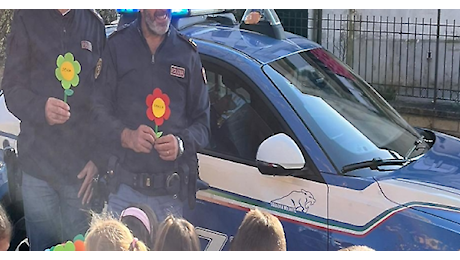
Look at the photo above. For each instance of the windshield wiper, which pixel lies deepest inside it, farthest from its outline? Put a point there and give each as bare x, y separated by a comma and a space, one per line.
373, 164
416, 147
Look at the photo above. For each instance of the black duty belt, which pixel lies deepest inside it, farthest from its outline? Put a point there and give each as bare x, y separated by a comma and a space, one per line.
150, 184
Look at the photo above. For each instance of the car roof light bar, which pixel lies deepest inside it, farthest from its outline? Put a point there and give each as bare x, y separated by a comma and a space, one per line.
127, 11
180, 12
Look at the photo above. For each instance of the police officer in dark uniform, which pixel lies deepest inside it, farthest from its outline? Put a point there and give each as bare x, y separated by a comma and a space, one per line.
152, 106
52, 56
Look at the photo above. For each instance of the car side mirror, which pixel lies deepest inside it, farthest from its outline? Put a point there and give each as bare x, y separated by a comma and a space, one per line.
279, 155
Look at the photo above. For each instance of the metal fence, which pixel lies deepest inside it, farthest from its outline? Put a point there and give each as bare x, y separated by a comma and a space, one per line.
410, 57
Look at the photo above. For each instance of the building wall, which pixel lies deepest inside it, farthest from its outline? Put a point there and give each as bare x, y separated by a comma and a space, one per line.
387, 51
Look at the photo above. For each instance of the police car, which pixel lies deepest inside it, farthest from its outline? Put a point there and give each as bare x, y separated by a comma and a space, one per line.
298, 134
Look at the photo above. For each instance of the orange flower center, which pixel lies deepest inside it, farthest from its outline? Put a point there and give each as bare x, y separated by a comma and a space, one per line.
158, 107
67, 70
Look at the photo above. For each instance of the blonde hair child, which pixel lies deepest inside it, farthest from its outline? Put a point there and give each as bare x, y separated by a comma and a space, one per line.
109, 234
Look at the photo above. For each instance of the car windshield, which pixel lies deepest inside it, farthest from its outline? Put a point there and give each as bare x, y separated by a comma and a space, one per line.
347, 117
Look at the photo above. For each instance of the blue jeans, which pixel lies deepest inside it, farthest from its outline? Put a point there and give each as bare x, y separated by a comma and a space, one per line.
161, 205
53, 214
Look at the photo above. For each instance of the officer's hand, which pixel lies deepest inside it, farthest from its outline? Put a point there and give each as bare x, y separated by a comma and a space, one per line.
167, 147
140, 140
252, 18
56, 111
86, 189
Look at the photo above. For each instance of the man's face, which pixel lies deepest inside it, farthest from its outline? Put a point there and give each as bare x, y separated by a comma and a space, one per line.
157, 20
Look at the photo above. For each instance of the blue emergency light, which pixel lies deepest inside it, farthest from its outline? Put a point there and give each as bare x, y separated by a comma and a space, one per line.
178, 12
127, 11
174, 12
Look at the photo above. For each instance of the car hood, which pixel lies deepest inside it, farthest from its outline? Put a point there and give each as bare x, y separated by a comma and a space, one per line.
431, 183
439, 166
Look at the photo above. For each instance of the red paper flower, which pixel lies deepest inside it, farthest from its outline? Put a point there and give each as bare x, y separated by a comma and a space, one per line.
158, 107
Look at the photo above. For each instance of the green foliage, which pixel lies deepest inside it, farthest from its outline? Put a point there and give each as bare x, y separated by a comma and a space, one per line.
109, 15
6, 15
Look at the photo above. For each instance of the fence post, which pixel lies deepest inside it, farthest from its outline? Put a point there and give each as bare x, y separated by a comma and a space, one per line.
350, 38
438, 25
317, 24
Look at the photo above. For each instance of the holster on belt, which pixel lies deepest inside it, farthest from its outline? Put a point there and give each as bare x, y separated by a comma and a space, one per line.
150, 184
188, 168
102, 187
191, 182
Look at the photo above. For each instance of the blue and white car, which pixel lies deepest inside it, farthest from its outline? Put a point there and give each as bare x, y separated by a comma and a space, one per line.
298, 134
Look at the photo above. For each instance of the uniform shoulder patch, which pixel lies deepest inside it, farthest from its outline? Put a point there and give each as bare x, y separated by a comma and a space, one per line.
189, 41
97, 15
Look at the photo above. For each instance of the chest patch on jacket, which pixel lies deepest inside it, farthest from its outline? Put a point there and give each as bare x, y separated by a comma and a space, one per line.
87, 45
177, 71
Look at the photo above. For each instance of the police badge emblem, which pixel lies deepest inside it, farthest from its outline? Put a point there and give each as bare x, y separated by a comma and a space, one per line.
97, 71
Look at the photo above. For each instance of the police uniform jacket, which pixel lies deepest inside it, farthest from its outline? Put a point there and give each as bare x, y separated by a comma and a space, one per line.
54, 153
130, 73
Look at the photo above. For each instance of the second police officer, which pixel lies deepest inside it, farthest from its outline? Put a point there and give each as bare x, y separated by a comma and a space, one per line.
152, 108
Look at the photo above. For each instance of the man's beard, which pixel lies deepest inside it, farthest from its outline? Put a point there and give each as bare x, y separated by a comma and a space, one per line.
156, 28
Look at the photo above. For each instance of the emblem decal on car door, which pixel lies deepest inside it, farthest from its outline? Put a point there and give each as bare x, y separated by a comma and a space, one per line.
297, 200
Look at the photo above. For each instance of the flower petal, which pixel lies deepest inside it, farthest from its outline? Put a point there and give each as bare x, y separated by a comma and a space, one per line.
75, 80
58, 74
165, 99
68, 56
65, 84
167, 113
157, 93
149, 101
159, 121
150, 115
77, 67
60, 60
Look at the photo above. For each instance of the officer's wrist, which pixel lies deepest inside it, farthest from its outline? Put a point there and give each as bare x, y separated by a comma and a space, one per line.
125, 138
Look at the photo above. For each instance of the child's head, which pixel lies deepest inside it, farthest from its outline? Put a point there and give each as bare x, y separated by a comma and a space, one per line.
5, 230
357, 248
176, 234
109, 234
142, 222
259, 231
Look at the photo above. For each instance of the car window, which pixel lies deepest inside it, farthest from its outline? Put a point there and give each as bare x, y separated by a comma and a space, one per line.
238, 115
348, 118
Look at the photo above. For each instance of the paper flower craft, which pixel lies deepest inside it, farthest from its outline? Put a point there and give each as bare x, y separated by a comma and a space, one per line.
67, 73
158, 108
78, 244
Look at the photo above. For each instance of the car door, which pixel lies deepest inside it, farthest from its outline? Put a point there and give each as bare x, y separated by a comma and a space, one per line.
240, 120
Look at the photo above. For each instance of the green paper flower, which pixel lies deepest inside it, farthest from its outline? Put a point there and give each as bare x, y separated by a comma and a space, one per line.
67, 70
67, 73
